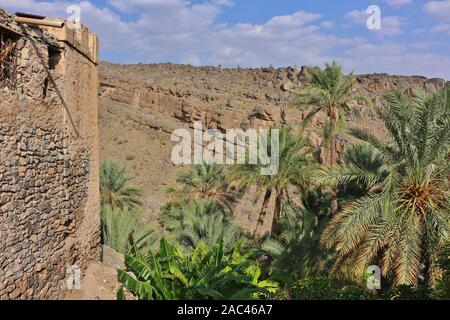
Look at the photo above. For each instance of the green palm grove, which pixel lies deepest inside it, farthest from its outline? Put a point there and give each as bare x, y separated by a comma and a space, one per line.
384, 202
403, 220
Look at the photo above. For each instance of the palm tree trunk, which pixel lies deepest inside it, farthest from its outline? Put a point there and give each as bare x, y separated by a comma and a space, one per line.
332, 149
333, 123
263, 212
425, 263
334, 202
277, 213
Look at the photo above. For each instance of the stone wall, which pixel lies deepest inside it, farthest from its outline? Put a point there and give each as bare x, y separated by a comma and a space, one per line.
49, 198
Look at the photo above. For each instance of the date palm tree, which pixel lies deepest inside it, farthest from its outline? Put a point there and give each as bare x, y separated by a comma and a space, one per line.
328, 91
365, 156
403, 221
200, 221
208, 182
295, 168
296, 251
115, 187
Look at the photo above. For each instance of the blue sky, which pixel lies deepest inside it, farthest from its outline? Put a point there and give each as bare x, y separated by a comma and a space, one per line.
414, 37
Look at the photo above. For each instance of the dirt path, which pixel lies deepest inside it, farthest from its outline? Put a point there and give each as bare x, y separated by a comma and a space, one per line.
100, 281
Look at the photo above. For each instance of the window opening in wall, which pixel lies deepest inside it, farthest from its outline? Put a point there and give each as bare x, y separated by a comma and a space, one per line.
8, 43
54, 56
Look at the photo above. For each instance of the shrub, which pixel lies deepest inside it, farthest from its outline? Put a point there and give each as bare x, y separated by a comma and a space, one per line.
119, 224
405, 292
7, 62
327, 288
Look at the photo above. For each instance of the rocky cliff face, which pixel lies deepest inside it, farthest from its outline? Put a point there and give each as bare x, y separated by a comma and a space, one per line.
140, 106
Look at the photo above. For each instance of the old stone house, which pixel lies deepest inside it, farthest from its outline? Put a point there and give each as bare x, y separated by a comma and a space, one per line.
49, 198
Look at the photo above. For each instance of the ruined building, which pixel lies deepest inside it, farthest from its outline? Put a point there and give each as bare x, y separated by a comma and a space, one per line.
49, 195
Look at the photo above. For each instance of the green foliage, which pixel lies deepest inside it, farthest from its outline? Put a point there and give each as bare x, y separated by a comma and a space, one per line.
296, 251
443, 286
424, 291
205, 273
327, 288
115, 187
364, 156
119, 224
368, 164
395, 197
207, 182
326, 87
403, 221
295, 162
200, 221
328, 91
405, 292
295, 168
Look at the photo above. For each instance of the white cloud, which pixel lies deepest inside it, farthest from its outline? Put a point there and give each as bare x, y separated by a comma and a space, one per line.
390, 25
257, 45
425, 45
419, 31
327, 24
397, 59
129, 5
443, 27
357, 16
297, 19
182, 32
398, 3
439, 9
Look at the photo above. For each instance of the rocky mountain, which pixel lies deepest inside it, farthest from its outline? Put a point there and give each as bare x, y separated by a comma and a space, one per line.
141, 105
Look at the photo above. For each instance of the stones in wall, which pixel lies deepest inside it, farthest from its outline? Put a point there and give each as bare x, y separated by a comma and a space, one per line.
48, 167
43, 192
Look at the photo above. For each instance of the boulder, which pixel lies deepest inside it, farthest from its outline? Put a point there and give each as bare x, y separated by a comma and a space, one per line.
287, 85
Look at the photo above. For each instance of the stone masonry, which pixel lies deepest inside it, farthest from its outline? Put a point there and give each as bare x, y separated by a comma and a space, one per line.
49, 198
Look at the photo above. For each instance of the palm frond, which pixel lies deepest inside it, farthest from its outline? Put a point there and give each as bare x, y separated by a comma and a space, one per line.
115, 187
405, 222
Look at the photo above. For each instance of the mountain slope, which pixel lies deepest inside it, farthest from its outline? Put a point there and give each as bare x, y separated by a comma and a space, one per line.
140, 106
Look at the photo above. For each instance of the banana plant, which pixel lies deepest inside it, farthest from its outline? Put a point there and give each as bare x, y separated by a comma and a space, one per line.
204, 273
